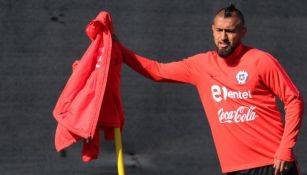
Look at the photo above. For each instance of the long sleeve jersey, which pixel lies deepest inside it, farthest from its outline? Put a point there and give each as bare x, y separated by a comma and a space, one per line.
238, 94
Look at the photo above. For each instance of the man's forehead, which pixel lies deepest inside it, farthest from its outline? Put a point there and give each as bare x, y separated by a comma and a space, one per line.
221, 21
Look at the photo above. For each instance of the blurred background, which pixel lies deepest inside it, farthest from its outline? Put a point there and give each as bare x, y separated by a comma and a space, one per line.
166, 130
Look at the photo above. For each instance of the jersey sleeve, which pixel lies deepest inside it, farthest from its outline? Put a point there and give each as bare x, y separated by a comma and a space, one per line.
275, 77
178, 71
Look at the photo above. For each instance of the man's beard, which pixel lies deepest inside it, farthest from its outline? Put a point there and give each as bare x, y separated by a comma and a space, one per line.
224, 53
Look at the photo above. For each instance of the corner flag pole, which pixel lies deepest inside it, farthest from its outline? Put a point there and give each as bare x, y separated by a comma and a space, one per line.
119, 152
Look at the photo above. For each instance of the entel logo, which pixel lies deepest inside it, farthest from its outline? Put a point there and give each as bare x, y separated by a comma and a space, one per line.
222, 93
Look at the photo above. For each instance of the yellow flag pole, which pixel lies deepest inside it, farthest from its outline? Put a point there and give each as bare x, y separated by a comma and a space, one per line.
119, 152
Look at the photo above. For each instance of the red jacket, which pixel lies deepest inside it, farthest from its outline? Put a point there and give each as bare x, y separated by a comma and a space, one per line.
91, 97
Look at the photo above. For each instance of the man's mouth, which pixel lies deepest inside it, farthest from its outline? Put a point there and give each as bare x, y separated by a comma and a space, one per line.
223, 45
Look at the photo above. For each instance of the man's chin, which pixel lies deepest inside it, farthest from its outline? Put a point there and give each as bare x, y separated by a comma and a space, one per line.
224, 53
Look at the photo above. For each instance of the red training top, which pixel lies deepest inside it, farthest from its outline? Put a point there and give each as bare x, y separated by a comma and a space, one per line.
238, 95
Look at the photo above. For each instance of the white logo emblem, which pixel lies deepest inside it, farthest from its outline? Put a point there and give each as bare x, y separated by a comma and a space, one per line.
242, 77
241, 114
222, 93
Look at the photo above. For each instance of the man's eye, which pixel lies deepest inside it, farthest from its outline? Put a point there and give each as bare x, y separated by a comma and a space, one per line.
231, 31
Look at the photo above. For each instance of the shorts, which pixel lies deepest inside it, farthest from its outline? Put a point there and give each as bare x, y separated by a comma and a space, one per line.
267, 170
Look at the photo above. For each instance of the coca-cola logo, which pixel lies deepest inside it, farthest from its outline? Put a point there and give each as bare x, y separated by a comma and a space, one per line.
242, 114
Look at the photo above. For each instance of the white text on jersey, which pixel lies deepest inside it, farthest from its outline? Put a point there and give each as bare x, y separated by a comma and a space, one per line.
222, 93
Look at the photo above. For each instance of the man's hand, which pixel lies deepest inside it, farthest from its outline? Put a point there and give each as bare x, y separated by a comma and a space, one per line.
93, 28
280, 166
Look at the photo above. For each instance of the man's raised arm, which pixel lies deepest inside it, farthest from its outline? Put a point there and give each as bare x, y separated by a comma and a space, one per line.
179, 71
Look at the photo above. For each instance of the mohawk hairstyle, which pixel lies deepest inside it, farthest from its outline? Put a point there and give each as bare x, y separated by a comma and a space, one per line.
229, 10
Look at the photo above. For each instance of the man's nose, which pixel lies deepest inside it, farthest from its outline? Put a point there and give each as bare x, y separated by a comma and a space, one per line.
224, 35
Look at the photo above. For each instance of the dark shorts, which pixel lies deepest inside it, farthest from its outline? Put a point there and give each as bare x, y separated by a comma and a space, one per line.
267, 170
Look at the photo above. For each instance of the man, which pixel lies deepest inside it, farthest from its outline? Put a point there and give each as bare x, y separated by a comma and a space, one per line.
237, 86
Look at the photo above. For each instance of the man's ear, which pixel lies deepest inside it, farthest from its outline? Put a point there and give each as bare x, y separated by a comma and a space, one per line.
212, 27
